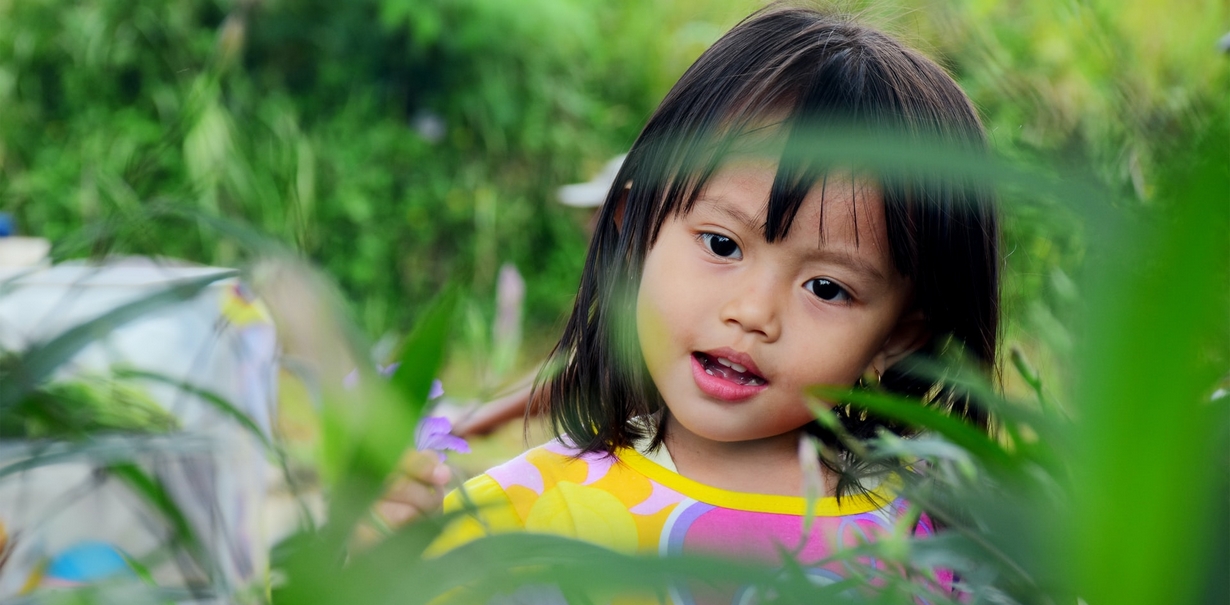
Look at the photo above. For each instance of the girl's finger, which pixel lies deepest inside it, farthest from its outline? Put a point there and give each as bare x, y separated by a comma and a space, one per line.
441, 475
422, 466
397, 514
419, 495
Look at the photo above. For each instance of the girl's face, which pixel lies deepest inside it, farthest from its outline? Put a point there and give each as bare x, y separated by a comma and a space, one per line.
733, 328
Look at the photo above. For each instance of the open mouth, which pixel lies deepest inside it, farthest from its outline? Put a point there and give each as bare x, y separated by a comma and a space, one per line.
729, 370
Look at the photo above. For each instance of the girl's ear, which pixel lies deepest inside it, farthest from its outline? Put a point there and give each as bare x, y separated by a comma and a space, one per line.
909, 335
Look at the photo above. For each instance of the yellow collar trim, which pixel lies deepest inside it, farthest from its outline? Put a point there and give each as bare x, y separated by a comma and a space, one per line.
757, 503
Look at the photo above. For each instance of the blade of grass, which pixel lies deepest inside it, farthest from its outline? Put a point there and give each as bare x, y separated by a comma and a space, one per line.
228, 409
423, 351
156, 496
372, 435
102, 449
220, 403
1156, 345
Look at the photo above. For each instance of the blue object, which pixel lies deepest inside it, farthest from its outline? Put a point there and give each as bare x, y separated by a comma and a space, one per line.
88, 562
7, 225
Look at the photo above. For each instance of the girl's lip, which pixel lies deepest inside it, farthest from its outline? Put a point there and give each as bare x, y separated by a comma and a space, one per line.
738, 357
720, 388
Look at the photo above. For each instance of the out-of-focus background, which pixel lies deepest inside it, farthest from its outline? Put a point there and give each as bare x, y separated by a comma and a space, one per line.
403, 145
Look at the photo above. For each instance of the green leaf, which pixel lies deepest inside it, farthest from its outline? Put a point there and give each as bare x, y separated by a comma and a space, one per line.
38, 362
107, 450
1146, 455
916, 414
422, 354
156, 496
374, 433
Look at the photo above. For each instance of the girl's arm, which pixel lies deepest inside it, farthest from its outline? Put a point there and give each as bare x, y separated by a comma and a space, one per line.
495, 414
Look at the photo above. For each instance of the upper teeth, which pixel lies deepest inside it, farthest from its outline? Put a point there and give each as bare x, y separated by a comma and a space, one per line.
732, 365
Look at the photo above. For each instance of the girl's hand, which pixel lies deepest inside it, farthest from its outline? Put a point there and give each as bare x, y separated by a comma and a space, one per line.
418, 491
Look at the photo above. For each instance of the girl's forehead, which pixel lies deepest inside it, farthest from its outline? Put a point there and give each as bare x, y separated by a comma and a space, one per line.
838, 202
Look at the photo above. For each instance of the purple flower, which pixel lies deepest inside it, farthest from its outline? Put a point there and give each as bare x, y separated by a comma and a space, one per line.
435, 433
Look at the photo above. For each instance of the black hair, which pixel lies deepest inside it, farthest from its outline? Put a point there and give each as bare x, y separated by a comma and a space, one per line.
797, 68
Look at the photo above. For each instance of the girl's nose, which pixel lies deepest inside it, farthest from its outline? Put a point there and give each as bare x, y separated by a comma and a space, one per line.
754, 308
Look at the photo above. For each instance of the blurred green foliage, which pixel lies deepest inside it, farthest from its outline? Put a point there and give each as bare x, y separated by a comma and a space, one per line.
402, 144
397, 143
312, 122
1112, 88
85, 408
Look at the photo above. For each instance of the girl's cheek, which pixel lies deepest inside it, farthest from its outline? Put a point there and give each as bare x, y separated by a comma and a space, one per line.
651, 330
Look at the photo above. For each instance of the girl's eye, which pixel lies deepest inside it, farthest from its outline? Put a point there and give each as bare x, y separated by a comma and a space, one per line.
721, 245
827, 290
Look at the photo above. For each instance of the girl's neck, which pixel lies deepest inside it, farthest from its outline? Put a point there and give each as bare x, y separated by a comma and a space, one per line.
761, 466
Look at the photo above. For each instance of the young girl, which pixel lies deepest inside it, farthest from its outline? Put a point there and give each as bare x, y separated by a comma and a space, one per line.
723, 280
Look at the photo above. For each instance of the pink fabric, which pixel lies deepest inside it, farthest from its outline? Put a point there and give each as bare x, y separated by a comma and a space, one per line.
660, 498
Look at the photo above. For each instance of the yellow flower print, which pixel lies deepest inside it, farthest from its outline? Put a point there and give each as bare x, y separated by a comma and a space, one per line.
585, 513
555, 467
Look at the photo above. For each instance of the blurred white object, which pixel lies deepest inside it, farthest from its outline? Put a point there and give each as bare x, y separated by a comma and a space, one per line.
23, 251
430, 126
593, 193
221, 341
506, 330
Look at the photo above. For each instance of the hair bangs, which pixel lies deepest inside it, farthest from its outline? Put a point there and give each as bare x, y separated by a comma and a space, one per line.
777, 102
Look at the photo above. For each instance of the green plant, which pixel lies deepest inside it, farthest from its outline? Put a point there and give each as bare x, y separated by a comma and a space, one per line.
1037, 515
230, 123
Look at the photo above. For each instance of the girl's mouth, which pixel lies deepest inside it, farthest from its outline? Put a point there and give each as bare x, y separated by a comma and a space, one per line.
722, 378
727, 369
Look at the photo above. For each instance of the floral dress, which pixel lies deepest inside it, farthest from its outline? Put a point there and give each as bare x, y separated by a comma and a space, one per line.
629, 502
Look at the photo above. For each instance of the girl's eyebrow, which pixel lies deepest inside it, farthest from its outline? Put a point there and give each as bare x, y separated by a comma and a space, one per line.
844, 258
828, 254
750, 223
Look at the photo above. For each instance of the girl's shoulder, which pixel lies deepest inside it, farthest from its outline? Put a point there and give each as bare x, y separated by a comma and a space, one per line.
540, 468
